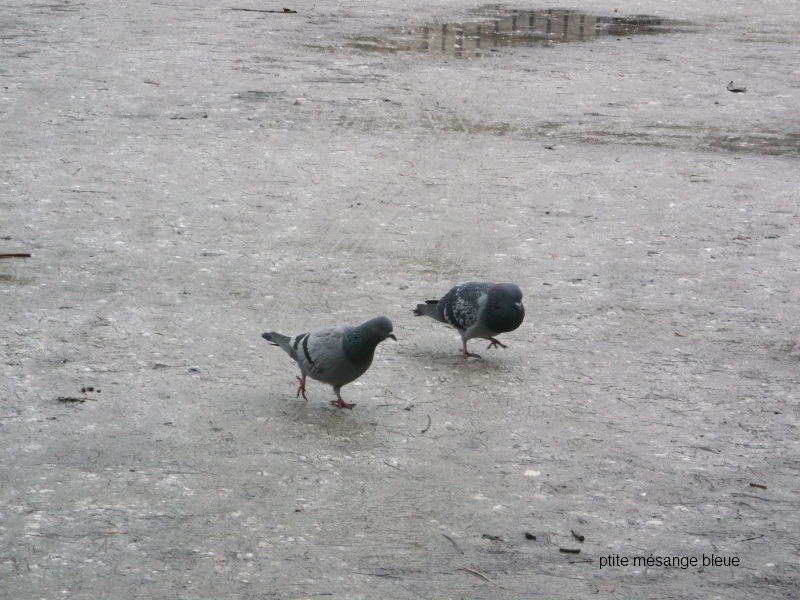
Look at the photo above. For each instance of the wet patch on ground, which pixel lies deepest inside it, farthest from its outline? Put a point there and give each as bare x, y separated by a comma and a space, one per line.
767, 142
511, 28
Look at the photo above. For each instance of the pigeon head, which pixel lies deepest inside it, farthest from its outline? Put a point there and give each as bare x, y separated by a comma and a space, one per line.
378, 328
504, 309
510, 291
360, 342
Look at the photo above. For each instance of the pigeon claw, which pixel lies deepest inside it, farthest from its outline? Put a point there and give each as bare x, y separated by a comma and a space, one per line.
341, 403
467, 353
302, 387
494, 343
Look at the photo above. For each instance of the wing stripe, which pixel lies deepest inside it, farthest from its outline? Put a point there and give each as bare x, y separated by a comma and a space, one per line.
305, 350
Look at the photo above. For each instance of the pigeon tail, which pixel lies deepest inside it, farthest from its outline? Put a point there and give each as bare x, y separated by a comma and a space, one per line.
278, 339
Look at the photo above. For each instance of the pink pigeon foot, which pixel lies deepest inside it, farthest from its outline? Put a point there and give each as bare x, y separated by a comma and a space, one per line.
302, 388
467, 353
495, 343
341, 403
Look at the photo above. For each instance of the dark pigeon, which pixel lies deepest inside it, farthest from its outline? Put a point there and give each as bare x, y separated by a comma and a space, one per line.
478, 309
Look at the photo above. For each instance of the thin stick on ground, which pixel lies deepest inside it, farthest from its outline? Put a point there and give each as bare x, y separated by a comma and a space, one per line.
452, 541
481, 575
428, 426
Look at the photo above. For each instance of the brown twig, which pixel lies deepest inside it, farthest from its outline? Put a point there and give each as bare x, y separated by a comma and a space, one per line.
285, 11
15, 255
481, 575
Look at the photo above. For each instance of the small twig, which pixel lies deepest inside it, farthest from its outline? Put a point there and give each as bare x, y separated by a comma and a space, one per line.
395, 396
428, 426
15, 255
70, 399
285, 11
570, 550
740, 495
758, 485
388, 464
481, 575
452, 541
577, 536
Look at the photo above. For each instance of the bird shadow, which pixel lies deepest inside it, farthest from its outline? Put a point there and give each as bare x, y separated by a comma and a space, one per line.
490, 360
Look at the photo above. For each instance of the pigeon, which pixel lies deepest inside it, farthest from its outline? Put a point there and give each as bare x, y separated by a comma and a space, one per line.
336, 355
478, 309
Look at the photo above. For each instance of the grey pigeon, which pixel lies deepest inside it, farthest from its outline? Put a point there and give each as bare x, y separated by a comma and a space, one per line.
336, 355
478, 309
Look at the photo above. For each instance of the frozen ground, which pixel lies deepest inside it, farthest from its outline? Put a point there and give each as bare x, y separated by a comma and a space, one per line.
187, 176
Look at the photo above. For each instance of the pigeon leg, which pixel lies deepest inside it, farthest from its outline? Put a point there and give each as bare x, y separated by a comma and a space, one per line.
467, 353
302, 388
494, 343
339, 401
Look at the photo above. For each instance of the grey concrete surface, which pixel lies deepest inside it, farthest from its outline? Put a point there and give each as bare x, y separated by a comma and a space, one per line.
187, 176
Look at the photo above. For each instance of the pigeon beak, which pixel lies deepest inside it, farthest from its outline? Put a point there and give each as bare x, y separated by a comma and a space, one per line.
391, 335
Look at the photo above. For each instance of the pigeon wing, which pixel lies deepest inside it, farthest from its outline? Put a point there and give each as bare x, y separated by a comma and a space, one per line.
461, 306
322, 356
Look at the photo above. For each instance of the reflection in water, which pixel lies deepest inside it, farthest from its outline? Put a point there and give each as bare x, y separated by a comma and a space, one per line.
521, 28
